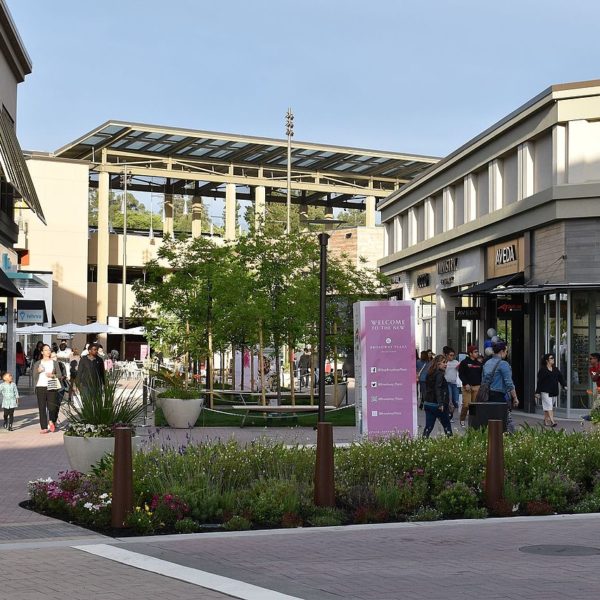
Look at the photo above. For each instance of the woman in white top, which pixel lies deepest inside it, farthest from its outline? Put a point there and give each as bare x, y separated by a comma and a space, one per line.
46, 382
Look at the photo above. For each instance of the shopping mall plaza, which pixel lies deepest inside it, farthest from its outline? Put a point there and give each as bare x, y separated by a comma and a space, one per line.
501, 233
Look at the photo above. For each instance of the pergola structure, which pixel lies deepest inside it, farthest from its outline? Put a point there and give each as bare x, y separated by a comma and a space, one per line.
237, 167
174, 161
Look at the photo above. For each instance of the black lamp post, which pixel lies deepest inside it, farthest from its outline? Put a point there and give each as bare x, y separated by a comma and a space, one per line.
324, 486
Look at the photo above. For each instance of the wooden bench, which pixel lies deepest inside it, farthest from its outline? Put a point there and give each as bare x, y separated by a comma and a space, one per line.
272, 410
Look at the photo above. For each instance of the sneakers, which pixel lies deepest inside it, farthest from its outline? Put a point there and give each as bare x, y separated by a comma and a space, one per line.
52, 427
44, 431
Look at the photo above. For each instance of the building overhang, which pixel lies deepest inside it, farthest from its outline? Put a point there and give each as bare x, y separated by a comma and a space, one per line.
14, 168
7, 287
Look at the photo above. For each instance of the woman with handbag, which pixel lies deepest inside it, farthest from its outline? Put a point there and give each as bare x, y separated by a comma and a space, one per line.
437, 397
548, 378
46, 383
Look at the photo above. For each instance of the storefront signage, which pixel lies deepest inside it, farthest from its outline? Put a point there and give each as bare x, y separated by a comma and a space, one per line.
385, 368
467, 313
423, 280
511, 310
505, 258
506, 255
30, 316
448, 265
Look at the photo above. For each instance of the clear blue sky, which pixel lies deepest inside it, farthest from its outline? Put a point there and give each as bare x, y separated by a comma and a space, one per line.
411, 76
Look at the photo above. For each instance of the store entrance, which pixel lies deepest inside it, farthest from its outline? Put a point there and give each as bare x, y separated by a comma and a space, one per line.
510, 327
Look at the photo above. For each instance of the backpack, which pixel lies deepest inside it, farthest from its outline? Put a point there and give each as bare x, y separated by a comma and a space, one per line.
483, 394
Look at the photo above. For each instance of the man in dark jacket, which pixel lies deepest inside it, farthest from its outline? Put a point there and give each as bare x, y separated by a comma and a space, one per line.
469, 372
90, 372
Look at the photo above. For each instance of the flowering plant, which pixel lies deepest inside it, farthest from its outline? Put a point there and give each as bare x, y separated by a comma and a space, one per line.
74, 495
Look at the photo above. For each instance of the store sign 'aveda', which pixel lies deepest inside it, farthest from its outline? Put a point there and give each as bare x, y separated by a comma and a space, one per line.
506, 255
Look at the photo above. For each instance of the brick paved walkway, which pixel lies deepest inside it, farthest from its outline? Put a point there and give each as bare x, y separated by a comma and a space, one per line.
442, 560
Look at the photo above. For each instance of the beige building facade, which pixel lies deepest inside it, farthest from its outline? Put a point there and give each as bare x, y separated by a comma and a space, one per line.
502, 234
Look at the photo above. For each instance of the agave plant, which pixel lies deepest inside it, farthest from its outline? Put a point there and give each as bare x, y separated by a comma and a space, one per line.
103, 407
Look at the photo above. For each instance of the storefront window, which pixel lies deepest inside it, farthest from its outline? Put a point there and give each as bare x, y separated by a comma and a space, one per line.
580, 390
427, 311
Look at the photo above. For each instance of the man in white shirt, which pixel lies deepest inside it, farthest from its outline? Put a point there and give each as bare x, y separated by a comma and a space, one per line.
64, 355
452, 377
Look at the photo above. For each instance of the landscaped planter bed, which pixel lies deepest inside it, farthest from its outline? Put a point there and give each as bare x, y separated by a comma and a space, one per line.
264, 485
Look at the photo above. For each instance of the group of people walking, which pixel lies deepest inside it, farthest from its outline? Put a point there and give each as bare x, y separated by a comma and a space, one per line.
56, 372
439, 378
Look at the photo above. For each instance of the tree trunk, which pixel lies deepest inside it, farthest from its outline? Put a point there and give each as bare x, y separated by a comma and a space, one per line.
242, 374
209, 369
233, 382
291, 361
263, 398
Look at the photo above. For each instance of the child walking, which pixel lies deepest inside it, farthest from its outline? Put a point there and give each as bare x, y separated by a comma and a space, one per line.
10, 399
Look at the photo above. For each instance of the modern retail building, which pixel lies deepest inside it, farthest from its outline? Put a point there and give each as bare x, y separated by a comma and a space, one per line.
503, 234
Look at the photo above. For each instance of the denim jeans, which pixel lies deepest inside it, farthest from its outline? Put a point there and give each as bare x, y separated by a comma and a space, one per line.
431, 415
453, 391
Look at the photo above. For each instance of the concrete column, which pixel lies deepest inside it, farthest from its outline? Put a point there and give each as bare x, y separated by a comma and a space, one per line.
260, 207
559, 154
370, 211
197, 216
230, 205
448, 208
103, 250
168, 221
525, 173
470, 198
495, 191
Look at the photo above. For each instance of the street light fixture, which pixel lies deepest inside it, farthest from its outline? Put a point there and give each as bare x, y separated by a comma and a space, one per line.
289, 130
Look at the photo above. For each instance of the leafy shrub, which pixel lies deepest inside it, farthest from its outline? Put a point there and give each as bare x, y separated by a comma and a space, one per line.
326, 517
426, 513
476, 513
557, 490
187, 525
269, 500
238, 523
140, 520
405, 496
456, 500
589, 504
168, 509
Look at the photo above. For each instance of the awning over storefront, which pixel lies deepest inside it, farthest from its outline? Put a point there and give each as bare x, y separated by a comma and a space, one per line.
547, 287
487, 287
31, 311
14, 168
7, 287
25, 279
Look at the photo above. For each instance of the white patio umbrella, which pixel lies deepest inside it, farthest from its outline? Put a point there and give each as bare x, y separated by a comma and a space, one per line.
30, 329
136, 331
101, 328
67, 328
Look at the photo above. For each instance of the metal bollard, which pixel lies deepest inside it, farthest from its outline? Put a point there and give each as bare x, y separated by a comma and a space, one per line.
324, 483
494, 476
122, 488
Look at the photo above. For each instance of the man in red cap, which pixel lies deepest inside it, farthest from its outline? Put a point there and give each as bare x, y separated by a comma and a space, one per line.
469, 372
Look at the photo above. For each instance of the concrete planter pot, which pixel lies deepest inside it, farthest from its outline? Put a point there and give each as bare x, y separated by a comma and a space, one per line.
181, 414
85, 452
